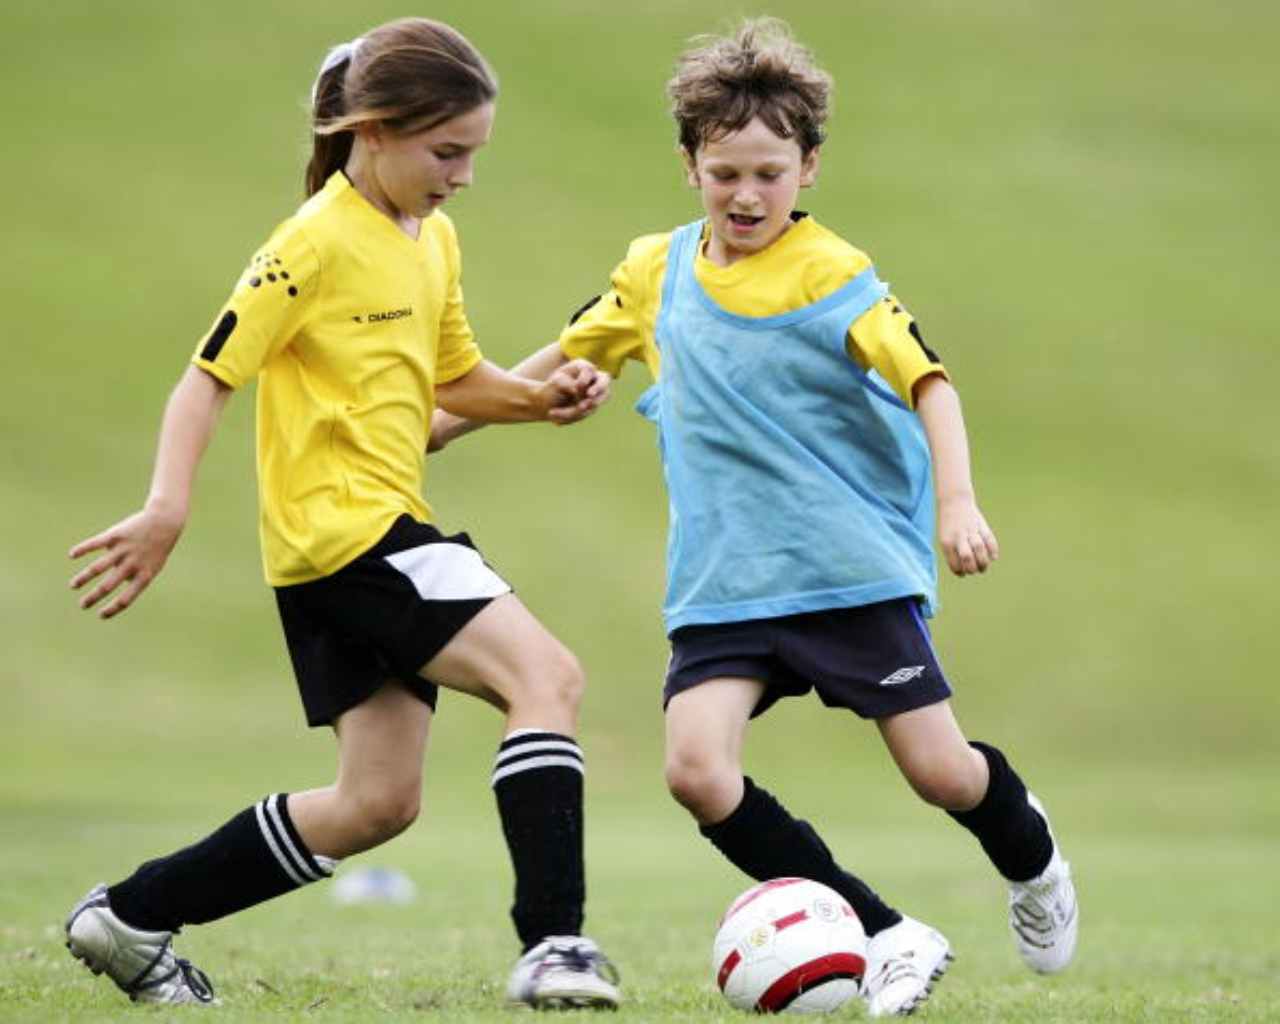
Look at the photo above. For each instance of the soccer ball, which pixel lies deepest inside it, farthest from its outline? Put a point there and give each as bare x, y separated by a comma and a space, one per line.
792, 945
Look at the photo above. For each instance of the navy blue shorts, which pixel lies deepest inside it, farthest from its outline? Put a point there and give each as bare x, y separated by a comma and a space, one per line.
382, 616
876, 660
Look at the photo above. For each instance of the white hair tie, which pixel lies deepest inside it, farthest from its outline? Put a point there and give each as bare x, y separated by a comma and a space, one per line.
339, 54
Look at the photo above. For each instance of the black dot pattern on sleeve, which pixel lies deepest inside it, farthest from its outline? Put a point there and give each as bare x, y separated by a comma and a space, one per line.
268, 268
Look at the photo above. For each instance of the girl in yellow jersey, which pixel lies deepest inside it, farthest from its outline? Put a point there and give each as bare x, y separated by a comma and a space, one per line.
803, 426
351, 319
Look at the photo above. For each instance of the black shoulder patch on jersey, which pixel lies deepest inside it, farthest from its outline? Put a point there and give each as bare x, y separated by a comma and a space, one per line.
577, 315
218, 336
915, 333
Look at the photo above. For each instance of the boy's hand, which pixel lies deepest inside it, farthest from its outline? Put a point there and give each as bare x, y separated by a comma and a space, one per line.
967, 541
575, 391
135, 549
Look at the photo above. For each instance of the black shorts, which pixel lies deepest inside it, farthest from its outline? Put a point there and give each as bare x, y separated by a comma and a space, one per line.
382, 616
876, 659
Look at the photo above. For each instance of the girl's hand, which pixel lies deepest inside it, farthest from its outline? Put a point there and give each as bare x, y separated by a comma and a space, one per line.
135, 550
575, 391
967, 541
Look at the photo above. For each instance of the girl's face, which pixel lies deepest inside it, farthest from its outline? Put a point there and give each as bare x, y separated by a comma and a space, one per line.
749, 182
410, 175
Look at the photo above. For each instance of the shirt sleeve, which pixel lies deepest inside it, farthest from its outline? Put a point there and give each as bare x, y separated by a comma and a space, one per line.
457, 353
618, 325
887, 339
265, 309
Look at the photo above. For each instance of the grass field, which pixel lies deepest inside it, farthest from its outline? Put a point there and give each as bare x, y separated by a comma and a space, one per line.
1078, 203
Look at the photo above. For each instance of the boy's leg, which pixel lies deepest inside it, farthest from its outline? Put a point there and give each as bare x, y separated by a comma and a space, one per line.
706, 726
705, 730
505, 656
279, 844
977, 786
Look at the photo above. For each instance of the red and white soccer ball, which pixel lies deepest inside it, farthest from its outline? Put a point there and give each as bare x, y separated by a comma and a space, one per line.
790, 945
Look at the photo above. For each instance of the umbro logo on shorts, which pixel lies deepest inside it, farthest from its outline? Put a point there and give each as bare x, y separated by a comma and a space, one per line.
903, 675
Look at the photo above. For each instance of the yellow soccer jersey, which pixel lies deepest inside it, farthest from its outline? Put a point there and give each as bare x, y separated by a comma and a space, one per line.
348, 325
806, 264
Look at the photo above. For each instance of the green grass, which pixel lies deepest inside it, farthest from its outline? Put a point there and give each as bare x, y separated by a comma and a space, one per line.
1077, 202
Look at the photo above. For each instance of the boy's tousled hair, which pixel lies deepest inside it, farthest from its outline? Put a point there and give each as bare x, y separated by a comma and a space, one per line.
723, 82
408, 75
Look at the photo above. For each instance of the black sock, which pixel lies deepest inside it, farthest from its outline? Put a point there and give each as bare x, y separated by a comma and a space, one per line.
255, 856
537, 779
763, 840
1014, 835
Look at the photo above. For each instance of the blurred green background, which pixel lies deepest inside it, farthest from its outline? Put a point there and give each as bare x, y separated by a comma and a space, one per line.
1076, 201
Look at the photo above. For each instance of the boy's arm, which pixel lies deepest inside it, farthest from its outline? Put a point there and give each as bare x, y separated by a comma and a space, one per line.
136, 548
448, 426
967, 541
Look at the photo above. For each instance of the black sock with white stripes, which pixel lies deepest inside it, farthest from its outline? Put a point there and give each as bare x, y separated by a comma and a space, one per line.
537, 779
255, 856
764, 841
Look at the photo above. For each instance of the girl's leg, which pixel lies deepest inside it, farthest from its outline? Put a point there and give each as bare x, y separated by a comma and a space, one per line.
505, 656
381, 746
279, 844
706, 726
284, 842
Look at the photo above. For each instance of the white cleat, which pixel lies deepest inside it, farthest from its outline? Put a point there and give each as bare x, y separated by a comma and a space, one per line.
1043, 913
141, 963
565, 972
903, 964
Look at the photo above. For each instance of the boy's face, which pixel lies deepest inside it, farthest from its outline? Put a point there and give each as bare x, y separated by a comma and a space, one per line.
749, 182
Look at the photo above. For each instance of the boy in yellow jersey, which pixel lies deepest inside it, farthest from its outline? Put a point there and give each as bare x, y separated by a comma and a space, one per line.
351, 319
804, 428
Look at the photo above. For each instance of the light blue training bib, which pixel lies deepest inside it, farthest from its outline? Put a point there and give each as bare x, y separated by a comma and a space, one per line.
797, 481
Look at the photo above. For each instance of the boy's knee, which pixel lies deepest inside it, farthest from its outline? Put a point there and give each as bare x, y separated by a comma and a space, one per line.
706, 788
951, 787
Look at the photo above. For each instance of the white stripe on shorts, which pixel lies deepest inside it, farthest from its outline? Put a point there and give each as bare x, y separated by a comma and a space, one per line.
448, 572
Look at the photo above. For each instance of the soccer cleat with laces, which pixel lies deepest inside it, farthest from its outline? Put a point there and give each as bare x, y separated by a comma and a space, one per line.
564, 972
903, 964
141, 963
1043, 914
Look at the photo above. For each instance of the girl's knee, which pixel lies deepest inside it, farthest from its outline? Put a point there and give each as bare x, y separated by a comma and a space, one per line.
552, 681
383, 814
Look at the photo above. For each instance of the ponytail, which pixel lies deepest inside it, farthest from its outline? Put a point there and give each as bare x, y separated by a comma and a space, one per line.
329, 151
406, 75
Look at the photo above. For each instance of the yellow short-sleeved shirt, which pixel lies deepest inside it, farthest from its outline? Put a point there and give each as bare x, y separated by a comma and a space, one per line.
804, 265
348, 325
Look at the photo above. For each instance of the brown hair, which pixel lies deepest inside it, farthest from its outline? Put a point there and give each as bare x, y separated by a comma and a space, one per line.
409, 75
723, 82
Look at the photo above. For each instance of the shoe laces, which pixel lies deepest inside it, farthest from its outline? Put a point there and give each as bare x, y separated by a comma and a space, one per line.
580, 957
193, 979
895, 968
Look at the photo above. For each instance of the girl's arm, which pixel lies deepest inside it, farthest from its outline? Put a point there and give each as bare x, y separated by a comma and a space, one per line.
136, 549
967, 541
542, 365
